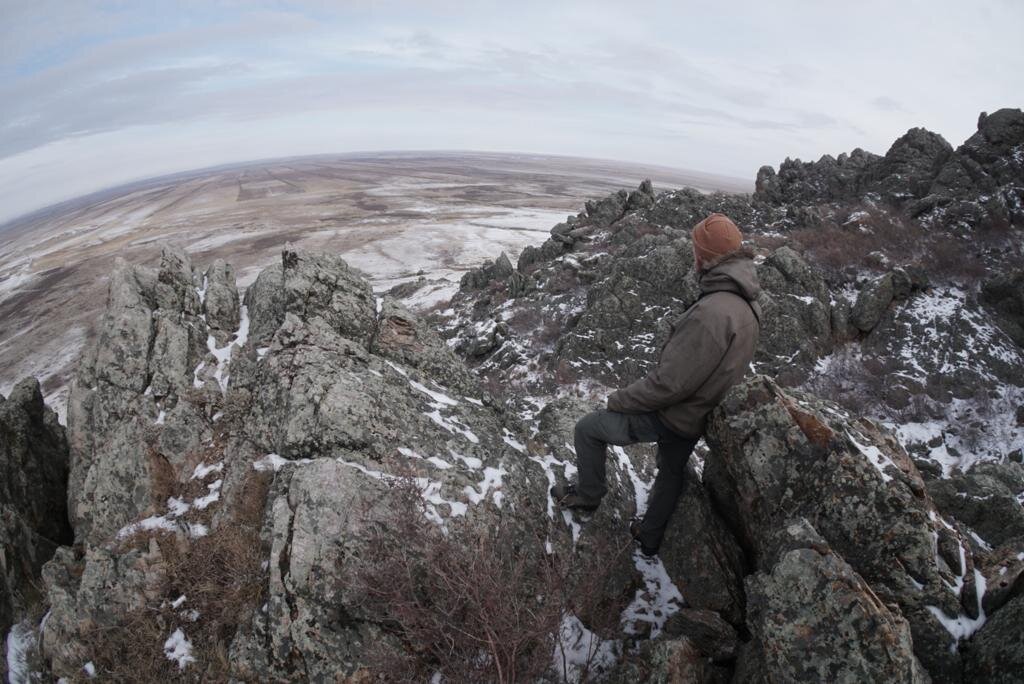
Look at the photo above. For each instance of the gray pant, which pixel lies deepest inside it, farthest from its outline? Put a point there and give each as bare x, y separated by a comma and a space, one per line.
596, 430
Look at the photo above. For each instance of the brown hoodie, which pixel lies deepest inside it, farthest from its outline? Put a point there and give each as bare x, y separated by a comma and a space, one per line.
709, 349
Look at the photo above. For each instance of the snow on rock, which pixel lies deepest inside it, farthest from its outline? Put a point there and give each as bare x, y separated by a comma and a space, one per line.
656, 601
179, 649
202, 470
20, 640
580, 652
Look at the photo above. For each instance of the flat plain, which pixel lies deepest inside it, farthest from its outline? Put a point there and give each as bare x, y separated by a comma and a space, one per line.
394, 216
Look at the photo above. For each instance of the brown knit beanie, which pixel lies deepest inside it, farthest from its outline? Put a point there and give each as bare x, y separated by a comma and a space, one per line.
715, 237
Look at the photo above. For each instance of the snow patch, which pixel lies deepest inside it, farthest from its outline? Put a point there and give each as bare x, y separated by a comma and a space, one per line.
179, 649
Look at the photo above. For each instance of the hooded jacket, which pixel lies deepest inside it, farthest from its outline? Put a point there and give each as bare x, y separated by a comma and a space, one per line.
708, 350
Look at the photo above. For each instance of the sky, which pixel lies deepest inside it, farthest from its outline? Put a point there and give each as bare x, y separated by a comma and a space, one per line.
95, 94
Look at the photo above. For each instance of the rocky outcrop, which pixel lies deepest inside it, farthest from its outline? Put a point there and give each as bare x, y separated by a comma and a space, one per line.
152, 350
816, 619
997, 651
776, 458
981, 183
1005, 294
830, 179
339, 394
907, 169
987, 499
33, 504
872, 301
797, 320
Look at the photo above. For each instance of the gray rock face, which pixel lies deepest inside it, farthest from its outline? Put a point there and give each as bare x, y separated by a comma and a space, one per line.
827, 180
702, 557
337, 397
816, 619
797, 320
144, 361
775, 458
220, 303
986, 499
997, 650
33, 505
873, 300
1005, 294
907, 169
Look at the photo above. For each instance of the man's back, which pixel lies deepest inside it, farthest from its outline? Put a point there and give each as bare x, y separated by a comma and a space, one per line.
709, 349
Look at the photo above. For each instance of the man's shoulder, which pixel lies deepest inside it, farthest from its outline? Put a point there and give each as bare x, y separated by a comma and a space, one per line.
724, 310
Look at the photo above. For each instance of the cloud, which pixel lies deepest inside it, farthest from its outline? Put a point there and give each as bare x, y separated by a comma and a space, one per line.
719, 88
887, 104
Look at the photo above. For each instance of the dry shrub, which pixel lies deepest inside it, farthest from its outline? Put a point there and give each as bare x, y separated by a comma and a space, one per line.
525, 319
473, 602
902, 241
132, 649
222, 577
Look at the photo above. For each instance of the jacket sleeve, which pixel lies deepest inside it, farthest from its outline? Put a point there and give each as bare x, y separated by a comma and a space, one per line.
689, 358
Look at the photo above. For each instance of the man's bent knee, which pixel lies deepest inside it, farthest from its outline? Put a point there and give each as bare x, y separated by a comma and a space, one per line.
589, 426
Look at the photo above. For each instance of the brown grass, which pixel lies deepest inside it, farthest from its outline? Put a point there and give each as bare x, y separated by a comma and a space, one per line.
220, 574
475, 602
898, 241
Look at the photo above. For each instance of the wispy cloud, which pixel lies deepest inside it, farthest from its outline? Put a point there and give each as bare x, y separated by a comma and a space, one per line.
699, 85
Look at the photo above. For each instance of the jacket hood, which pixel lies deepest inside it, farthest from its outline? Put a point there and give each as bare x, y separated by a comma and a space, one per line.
737, 275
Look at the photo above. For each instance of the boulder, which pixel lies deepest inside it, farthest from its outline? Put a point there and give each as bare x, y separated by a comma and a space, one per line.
816, 619
985, 499
33, 503
220, 301
776, 457
996, 652
872, 301
796, 323
1005, 294
907, 169
702, 557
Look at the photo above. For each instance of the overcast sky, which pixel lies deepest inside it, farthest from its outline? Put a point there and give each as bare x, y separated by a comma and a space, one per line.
93, 94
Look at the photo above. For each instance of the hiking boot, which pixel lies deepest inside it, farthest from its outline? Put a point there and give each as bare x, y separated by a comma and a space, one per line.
634, 531
566, 496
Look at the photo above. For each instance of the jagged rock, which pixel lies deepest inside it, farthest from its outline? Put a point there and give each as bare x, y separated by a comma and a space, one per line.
1003, 570
907, 169
265, 301
826, 180
311, 625
324, 286
220, 303
1005, 294
143, 361
625, 318
996, 652
777, 457
90, 594
872, 301
606, 211
671, 661
981, 183
816, 619
985, 498
701, 556
714, 637
477, 278
796, 323
642, 197
33, 503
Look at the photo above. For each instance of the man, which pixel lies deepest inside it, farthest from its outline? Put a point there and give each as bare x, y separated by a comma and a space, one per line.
709, 349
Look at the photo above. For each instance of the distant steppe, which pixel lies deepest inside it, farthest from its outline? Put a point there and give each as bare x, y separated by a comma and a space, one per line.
395, 216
